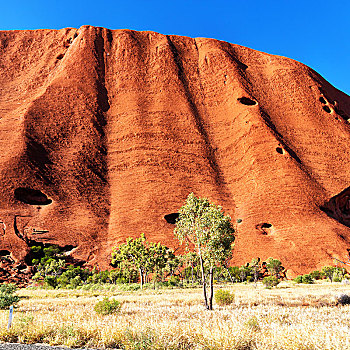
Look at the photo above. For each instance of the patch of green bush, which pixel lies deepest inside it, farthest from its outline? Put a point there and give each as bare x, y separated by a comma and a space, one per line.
316, 275
107, 306
298, 279
7, 297
223, 297
270, 281
306, 279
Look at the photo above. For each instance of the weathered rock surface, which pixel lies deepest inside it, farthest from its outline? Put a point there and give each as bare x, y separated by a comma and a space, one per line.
103, 133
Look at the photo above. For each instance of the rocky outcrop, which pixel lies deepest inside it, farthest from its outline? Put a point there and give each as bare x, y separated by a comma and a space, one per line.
104, 133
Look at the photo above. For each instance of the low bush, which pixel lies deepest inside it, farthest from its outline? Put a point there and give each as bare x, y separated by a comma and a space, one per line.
174, 281
223, 297
316, 275
107, 307
298, 279
270, 281
7, 297
307, 279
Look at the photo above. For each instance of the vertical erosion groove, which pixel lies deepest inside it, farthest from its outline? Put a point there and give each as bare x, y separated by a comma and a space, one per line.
103, 106
210, 153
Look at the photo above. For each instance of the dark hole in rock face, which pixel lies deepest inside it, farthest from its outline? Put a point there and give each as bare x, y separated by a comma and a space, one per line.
171, 218
264, 228
4, 253
60, 56
279, 150
322, 100
247, 101
31, 196
327, 109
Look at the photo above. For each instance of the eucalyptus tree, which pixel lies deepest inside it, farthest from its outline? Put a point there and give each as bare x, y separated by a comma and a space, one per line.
142, 255
274, 266
136, 252
204, 226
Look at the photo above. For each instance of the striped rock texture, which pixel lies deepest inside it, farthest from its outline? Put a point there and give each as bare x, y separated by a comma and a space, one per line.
104, 132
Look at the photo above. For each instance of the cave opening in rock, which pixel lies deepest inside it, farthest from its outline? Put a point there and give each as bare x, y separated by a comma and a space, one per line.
247, 101
327, 109
30, 196
4, 253
171, 218
279, 150
322, 100
264, 228
60, 56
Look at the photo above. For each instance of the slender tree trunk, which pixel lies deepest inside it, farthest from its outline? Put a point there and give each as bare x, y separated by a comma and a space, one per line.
192, 273
229, 273
141, 278
204, 283
211, 278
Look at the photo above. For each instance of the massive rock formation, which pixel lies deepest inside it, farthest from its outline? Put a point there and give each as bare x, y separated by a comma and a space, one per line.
103, 133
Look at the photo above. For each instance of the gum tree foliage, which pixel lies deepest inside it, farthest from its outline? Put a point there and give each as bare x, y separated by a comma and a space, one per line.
204, 226
328, 271
144, 256
255, 267
274, 266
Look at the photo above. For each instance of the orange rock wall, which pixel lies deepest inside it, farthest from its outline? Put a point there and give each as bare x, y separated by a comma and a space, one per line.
118, 127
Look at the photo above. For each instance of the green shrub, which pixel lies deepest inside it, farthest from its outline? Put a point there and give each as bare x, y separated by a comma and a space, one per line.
107, 307
307, 279
51, 281
174, 281
7, 297
316, 275
223, 297
298, 279
130, 287
270, 281
337, 278
75, 282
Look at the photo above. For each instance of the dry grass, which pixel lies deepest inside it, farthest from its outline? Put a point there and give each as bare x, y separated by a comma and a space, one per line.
290, 317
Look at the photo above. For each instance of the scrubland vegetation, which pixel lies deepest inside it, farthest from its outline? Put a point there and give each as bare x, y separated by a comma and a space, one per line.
291, 316
154, 299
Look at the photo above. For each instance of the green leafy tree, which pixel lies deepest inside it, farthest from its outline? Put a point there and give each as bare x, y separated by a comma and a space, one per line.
158, 259
204, 226
275, 267
144, 256
328, 271
136, 252
244, 272
255, 269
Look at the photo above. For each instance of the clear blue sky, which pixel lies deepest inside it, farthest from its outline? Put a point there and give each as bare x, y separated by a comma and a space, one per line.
316, 33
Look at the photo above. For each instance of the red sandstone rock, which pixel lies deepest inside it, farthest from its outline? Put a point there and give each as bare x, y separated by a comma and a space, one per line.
113, 129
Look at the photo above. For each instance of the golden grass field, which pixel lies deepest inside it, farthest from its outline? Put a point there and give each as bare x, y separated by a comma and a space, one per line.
288, 317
